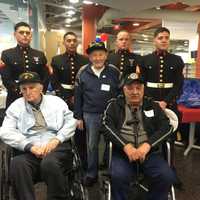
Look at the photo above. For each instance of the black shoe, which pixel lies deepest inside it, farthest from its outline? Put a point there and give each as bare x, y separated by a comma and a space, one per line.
89, 181
178, 183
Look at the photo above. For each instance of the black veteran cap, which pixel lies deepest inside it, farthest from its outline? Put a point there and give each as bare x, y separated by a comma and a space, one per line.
130, 78
95, 46
29, 77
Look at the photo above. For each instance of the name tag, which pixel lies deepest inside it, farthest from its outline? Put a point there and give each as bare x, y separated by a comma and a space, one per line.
149, 113
105, 87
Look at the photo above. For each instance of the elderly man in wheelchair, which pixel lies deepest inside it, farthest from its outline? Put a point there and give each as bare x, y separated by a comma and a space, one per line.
137, 126
38, 127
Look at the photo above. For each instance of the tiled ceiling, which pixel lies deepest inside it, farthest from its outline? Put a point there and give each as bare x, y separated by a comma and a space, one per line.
57, 14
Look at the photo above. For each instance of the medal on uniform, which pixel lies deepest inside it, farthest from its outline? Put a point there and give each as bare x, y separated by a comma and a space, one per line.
131, 62
36, 59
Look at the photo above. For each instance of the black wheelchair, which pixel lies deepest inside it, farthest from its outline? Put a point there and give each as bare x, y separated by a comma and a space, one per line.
74, 176
140, 185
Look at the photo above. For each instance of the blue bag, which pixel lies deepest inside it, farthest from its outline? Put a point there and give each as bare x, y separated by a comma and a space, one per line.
191, 94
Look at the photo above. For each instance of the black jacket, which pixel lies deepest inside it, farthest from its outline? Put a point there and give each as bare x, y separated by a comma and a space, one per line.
17, 61
156, 124
65, 67
167, 68
92, 93
125, 61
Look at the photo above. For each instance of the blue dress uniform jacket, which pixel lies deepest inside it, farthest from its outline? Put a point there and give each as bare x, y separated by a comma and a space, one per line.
17, 61
92, 92
65, 68
163, 75
126, 61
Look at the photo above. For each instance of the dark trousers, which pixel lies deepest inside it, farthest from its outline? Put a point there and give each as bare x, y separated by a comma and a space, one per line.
26, 169
80, 141
154, 167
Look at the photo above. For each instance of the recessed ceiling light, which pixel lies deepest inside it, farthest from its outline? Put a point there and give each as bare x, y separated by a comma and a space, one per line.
71, 12
68, 20
73, 1
67, 25
58, 30
136, 24
158, 8
87, 2
143, 35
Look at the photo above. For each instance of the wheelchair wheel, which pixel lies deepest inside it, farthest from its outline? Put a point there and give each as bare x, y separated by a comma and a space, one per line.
75, 179
106, 189
78, 192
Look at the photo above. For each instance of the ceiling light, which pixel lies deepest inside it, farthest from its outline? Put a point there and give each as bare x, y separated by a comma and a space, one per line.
58, 30
87, 2
70, 12
67, 25
158, 8
68, 20
143, 35
136, 24
146, 39
73, 1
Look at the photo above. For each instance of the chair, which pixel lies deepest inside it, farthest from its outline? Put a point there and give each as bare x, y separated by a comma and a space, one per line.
74, 176
106, 177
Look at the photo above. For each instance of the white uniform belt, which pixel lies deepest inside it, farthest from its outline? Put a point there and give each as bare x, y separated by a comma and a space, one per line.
159, 85
68, 87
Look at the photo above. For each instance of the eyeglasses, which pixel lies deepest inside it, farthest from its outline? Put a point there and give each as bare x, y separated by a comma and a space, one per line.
24, 32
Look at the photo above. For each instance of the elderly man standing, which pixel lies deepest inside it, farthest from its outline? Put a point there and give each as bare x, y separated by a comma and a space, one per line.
136, 126
39, 127
96, 83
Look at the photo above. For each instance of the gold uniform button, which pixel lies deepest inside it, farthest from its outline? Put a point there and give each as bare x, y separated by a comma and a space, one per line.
121, 68
26, 61
72, 67
161, 57
25, 52
122, 55
27, 66
161, 80
161, 70
161, 75
162, 61
161, 66
72, 72
72, 63
71, 58
26, 56
122, 59
122, 63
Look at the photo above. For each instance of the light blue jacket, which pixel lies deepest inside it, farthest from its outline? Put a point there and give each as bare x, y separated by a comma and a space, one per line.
15, 130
